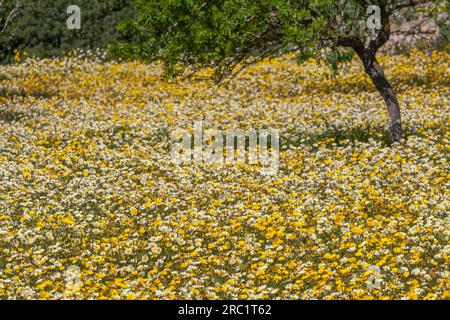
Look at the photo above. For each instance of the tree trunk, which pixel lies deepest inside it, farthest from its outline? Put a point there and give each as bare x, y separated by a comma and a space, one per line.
376, 73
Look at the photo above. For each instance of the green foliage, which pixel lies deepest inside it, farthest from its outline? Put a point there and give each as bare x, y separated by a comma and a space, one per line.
224, 33
188, 35
41, 29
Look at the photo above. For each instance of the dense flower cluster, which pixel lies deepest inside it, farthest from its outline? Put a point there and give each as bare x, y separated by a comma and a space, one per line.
88, 185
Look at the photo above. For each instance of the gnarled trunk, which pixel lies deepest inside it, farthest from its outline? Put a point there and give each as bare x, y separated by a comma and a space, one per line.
376, 73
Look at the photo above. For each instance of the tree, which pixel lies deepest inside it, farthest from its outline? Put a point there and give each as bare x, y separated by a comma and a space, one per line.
232, 34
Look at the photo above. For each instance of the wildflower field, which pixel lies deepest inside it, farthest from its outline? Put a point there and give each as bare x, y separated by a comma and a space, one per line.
87, 182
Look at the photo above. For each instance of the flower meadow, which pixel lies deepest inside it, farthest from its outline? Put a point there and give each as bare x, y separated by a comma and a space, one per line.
92, 205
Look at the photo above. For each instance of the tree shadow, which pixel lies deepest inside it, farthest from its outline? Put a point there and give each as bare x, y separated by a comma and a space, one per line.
21, 92
334, 136
11, 115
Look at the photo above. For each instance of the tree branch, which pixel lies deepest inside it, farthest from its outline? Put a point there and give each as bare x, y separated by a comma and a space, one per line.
408, 4
16, 11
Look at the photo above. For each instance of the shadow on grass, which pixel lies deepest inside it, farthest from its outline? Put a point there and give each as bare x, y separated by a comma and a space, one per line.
11, 115
344, 136
13, 92
336, 137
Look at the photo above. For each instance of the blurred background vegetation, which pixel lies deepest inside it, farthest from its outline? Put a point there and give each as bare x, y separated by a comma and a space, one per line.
41, 29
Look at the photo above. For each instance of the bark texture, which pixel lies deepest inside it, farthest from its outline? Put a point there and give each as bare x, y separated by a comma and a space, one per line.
376, 74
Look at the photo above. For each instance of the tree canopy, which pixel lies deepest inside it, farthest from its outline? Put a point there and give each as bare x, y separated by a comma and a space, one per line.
225, 33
